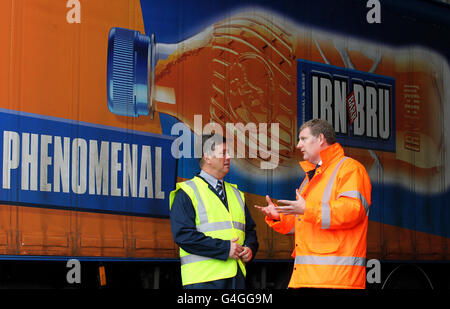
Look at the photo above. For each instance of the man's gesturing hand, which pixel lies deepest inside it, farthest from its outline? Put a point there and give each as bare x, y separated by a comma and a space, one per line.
296, 207
270, 209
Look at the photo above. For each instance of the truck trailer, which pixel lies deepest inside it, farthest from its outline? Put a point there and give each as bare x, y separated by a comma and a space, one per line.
103, 102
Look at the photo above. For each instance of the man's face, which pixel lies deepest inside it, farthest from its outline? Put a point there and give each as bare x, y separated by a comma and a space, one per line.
309, 146
219, 161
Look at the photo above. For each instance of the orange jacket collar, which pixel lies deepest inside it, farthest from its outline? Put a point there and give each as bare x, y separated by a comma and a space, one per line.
328, 155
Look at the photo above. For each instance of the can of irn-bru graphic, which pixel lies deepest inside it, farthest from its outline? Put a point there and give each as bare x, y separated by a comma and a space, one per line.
386, 104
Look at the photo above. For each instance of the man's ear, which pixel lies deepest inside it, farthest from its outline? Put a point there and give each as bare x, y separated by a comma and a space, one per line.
206, 158
322, 139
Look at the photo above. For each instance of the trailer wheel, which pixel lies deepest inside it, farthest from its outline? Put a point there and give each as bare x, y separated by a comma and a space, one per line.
407, 277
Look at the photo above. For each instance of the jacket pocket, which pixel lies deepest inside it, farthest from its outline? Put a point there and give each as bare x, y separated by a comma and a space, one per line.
320, 241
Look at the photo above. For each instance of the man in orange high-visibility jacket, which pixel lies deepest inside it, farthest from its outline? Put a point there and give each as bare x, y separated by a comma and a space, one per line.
330, 215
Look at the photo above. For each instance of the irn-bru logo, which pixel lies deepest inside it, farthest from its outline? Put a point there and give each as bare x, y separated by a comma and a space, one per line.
358, 104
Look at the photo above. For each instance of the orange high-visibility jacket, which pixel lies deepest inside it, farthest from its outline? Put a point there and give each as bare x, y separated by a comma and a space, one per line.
330, 237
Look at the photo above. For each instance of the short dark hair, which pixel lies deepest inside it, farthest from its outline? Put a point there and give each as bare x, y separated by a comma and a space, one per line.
317, 126
214, 139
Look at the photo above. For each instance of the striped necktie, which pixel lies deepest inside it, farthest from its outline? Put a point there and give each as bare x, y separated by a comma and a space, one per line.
219, 189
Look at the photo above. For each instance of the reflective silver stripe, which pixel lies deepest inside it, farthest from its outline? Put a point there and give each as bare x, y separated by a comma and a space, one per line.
330, 260
202, 215
192, 258
304, 183
358, 195
214, 226
239, 197
204, 225
326, 210
239, 226
217, 226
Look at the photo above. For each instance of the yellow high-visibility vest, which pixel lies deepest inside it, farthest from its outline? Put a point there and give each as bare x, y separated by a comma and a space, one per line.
214, 220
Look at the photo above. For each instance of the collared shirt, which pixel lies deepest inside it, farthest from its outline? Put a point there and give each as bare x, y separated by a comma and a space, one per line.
212, 181
209, 178
182, 221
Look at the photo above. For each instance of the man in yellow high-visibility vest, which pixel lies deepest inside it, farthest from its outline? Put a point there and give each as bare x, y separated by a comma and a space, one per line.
211, 224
